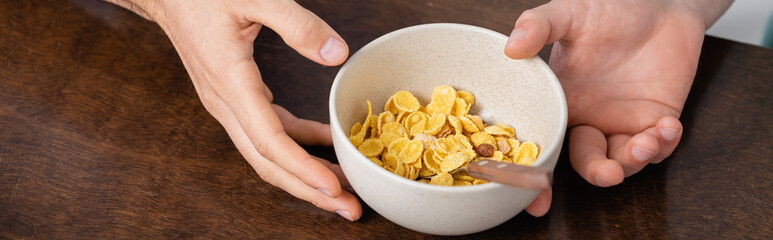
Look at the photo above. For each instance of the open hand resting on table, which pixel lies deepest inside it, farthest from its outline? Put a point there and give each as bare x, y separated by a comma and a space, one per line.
215, 42
626, 68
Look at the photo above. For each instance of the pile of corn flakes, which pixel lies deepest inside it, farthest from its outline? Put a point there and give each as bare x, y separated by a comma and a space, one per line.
416, 142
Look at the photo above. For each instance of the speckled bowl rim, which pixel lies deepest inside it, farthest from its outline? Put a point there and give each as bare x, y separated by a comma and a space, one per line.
338, 130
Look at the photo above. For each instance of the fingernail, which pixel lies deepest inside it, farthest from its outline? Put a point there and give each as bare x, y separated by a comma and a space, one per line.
669, 133
333, 50
325, 191
516, 35
601, 182
345, 214
642, 154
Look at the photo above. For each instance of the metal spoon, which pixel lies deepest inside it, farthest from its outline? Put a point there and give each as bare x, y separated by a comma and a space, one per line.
508, 174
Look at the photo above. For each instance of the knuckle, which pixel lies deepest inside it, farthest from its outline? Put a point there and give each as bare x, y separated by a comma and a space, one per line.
268, 94
316, 201
321, 129
307, 161
212, 107
304, 26
262, 143
292, 122
267, 176
529, 14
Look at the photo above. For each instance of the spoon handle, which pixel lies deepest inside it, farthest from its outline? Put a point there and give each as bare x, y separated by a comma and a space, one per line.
511, 174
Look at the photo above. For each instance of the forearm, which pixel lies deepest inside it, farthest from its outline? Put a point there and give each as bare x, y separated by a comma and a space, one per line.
707, 10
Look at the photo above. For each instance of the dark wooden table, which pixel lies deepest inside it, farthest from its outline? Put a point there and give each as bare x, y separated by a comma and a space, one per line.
102, 136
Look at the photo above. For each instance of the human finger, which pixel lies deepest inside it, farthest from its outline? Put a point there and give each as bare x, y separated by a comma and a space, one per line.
301, 29
633, 152
538, 27
540, 206
669, 132
345, 204
262, 126
310, 132
336, 169
302, 130
588, 155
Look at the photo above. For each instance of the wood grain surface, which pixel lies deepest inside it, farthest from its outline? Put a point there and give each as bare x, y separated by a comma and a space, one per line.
102, 136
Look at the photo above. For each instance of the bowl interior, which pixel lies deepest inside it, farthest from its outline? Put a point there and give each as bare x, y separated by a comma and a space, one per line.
521, 93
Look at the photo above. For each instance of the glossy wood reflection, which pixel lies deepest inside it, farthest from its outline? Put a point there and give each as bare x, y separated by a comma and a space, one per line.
102, 136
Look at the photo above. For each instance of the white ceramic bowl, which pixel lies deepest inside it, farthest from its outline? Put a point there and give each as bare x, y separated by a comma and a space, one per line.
522, 93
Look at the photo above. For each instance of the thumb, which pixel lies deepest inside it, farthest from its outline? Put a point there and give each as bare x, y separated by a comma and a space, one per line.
302, 30
537, 27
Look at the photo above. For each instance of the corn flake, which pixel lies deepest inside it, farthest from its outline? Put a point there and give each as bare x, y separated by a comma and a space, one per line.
463, 175
477, 120
468, 124
526, 153
376, 161
410, 152
444, 146
462, 142
426, 172
462, 183
460, 108
478, 181
355, 129
467, 96
411, 172
371, 147
401, 116
390, 161
356, 140
526, 161
414, 118
390, 106
454, 161
418, 128
455, 123
397, 145
430, 162
514, 144
383, 118
497, 156
400, 170
479, 138
418, 164
443, 179
435, 123
405, 101
507, 128
443, 99
497, 130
